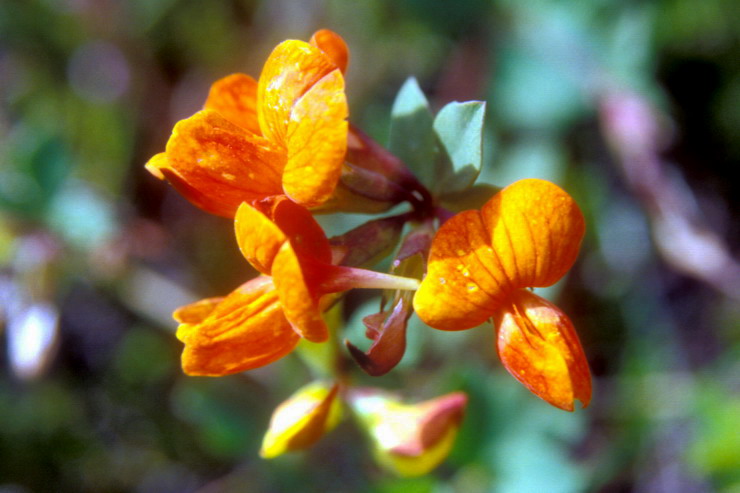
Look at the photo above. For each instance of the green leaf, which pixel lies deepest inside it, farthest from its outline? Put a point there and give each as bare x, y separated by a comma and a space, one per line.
459, 127
412, 137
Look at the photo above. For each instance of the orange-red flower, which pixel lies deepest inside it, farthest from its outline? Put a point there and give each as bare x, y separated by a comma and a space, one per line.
264, 319
286, 134
480, 266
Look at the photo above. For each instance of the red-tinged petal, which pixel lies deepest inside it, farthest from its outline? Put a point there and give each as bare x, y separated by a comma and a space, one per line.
235, 98
388, 332
217, 165
333, 46
535, 230
539, 346
463, 285
259, 238
300, 302
246, 330
189, 316
305, 234
263, 228
316, 141
413, 439
291, 70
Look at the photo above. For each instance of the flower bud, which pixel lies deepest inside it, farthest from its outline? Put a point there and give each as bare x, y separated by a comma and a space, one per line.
410, 440
302, 420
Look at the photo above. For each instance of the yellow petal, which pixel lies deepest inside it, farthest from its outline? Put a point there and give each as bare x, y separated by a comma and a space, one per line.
333, 46
217, 165
300, 302
302, 420
235, 98
539, 346
258, 237
245, 330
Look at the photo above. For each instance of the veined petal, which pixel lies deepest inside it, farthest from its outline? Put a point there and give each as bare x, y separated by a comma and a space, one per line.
292, 68
527, 235
245, 330
262, 229
463, 285
316, 141
217, 165
539, 346
535, 230
302, 420
333, 46
300, 302
235, 98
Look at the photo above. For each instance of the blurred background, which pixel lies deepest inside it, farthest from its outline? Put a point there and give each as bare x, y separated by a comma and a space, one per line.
632, 106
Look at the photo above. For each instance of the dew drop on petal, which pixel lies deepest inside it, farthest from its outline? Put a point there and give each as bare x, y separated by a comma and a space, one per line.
442, 280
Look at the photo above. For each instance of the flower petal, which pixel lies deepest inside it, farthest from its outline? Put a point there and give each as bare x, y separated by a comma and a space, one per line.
292, 68
316, 142
302, 420
535, 230
262, 230
462, 286
218, 165
300, 302
235, 98
246, 330
527, 235
259, 238
539, 346
333, 46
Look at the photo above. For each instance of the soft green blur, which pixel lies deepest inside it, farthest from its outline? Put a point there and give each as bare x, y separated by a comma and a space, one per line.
95, 253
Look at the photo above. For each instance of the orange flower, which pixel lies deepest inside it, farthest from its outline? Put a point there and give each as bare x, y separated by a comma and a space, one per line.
281, 239
286, 134
480, 266
245, 330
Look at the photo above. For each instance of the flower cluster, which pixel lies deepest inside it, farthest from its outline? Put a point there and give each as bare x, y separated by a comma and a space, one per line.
271, 153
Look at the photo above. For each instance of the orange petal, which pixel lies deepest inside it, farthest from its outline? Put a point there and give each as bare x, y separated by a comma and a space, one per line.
292, 68
333, 46
246, 330
300, 303
235, 98
217, 165
535, 230
462, 286
316, 142
305, 234
258, 237
261, 232
539, 346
